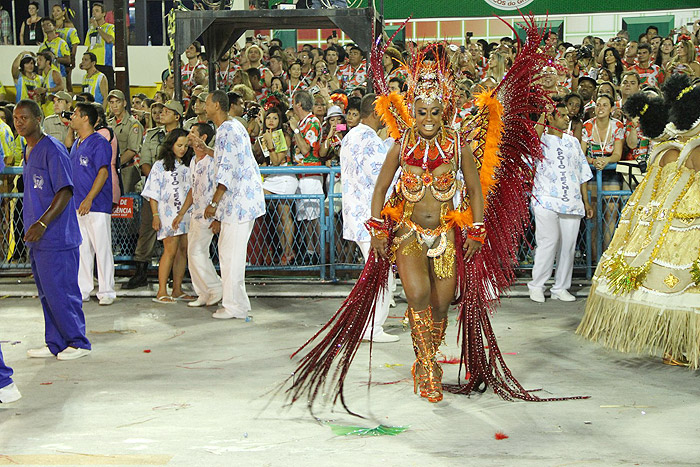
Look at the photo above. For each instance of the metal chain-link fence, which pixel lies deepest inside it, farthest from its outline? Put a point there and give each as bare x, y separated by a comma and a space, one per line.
281, 244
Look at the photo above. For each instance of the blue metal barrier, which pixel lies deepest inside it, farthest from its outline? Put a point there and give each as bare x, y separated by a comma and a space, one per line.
335, 255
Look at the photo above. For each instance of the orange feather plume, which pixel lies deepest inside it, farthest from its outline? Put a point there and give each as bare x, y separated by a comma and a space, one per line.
491, 160
394, 113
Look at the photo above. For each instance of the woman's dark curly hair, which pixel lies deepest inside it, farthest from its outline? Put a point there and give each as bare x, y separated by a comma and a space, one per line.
166, 149
684, 111
651, 110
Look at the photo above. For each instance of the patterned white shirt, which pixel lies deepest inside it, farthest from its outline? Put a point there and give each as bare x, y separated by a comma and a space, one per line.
361, 157
559, 175
202, 175
237, 170
169, 189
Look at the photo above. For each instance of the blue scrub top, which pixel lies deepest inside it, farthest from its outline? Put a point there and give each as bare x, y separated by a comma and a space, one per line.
87, 159
47, 170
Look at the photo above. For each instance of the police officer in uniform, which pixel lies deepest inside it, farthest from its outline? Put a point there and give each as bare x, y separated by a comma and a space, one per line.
129, 133
170, 118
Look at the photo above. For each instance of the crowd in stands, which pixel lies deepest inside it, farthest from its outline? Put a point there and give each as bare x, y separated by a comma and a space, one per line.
297, 104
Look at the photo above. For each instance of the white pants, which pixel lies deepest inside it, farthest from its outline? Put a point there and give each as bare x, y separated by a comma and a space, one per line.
309, 209
381, 310
555, 235
205, 280
96, 230
233, 246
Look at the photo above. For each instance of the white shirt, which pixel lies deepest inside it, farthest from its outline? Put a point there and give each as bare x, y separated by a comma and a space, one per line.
559, 175
361, 157
236, 169
202, 175
169, 189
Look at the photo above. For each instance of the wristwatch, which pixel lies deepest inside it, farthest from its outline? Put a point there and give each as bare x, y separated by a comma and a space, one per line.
213, 204
296, 131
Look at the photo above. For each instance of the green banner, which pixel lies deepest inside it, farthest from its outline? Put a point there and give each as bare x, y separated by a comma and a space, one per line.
398, 9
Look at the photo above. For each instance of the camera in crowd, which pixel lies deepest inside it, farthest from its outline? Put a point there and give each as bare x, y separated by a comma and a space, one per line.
584, 52
67, 114
252, 112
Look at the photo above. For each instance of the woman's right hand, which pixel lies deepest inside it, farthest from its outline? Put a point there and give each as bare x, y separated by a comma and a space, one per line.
176, 221
156, 223
379, 245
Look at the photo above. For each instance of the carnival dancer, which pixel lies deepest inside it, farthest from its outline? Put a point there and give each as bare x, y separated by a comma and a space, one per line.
645, 295
361, 157
166, 189
436, 238
53, 236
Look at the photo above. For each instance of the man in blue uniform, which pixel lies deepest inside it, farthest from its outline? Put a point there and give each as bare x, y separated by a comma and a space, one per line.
52, 235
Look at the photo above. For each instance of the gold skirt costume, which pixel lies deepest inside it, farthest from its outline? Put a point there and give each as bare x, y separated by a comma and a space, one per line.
645, 294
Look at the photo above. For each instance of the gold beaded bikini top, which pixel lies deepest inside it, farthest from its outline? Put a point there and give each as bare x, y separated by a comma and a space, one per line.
443, 187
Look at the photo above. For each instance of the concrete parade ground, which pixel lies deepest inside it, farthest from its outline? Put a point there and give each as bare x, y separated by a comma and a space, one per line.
168, 385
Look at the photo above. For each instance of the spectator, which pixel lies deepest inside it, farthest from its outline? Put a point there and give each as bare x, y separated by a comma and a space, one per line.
236, 212
586, 86
320, 106
649, 72
613, 63
307, 66
559, 201
685, 59
205, 280
106, 131
57, 124
66, 29
275, 144
355, 72
393, 65
296, 82
53, 237
257, 83
332, 56
665, 52
160, 97
99, 40
30, 32
199, 110
225, 71
189, 66
54, 43
497, 68
27, 81
236, 108
170, 118
628, 86
574, 105
94, 82
307, 134
655, 43
168, 86
277, 68
51, 80
333, 131
323, 80
352, 114
255, 55
630, 57
91, 158
396, 85
129, 134
7, 35
279, 85
166, 194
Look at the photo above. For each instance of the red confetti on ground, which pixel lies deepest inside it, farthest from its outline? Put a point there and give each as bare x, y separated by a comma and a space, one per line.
45, 384
500, 435
450, 361
147, 351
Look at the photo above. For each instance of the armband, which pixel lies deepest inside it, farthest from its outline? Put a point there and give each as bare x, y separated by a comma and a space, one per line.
477, 232
377, 227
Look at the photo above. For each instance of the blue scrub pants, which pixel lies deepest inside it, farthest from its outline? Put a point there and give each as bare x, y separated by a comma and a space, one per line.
56, 277
5, 373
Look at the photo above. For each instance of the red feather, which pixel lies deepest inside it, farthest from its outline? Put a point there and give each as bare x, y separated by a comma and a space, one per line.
500, 435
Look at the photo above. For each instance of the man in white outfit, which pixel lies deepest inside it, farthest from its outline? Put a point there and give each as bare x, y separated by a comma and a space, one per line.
361, 157
237, 202
559, 202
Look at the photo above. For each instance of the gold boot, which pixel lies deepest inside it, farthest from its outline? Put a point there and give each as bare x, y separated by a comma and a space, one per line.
427, 372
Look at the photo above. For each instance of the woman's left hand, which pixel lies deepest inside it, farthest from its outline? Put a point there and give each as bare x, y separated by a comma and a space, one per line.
471, 247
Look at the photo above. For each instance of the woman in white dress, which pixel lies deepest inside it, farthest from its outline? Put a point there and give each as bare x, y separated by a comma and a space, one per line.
166, 189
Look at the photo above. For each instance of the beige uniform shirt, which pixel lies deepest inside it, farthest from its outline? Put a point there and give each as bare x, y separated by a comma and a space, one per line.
54, 126
151, 143
129, 133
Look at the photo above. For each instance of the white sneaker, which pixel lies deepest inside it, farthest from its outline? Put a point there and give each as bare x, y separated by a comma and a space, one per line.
213, 301
382, 338
106, 301
87, 299
71, 353
42, 352
536, 295
223, 313
9, 393
563, 295
198, 302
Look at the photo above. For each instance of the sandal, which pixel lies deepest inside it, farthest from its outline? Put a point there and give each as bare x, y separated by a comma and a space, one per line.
164, 299
184, 297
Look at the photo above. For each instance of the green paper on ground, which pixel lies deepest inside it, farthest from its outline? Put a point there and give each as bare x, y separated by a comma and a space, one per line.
381, 430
